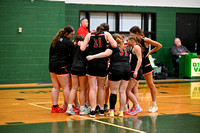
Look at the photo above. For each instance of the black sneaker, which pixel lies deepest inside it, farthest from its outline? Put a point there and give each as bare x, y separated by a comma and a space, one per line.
101, 112
92, 114
97, 109
105, 107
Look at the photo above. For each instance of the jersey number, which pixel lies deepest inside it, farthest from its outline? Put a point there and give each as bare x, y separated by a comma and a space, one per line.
122, 52
97, 43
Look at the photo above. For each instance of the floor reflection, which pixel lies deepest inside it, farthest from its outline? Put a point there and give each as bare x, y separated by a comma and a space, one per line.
195, 90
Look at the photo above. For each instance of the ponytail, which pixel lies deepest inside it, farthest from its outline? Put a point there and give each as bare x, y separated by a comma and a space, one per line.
68, 29
57, 37
119, 40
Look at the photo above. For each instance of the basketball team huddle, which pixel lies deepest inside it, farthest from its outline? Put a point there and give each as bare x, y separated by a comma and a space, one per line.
100, 63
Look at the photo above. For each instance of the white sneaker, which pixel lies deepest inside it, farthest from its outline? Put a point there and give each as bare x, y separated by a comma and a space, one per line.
136, 111
70, 111
153, 108
84, 111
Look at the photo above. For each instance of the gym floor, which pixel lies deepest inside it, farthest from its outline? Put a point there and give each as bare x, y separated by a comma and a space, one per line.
26, 108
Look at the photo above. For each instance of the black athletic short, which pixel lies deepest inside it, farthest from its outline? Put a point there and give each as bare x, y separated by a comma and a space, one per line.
123, 73
79, 73
97, 68
146, 66
59, 69
139, 75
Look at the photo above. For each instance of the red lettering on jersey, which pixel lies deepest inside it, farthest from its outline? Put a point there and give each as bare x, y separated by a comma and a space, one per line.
121, 52
99, 42
125, 52
95, 43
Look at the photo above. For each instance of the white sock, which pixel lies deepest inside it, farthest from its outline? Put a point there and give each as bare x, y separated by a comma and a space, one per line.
82, 107
154, 102
70, 106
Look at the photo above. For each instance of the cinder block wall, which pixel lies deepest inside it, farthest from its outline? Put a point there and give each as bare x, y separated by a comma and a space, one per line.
24, 56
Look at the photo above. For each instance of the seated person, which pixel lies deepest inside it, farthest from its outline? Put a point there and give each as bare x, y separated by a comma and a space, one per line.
177, 50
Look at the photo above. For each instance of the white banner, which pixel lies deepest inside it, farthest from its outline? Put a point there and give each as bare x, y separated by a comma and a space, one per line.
195, 67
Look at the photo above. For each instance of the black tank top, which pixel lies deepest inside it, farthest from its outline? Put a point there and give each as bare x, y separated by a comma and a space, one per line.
134, 60
79, 59
119, 57
97, 45
145, 50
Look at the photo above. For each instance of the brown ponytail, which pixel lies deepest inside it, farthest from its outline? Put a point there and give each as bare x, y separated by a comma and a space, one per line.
68, 29
118, 40
57, 37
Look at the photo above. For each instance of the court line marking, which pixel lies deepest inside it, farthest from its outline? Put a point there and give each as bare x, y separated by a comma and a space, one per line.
126, 128
35, 104
135, 130
39, 106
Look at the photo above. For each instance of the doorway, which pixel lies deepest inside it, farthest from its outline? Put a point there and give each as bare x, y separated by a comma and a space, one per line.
188, 30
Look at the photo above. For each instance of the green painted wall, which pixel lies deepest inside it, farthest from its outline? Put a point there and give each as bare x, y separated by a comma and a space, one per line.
24, 56
166, 23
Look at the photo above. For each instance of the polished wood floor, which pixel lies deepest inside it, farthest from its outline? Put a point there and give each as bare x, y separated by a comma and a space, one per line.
26, 108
